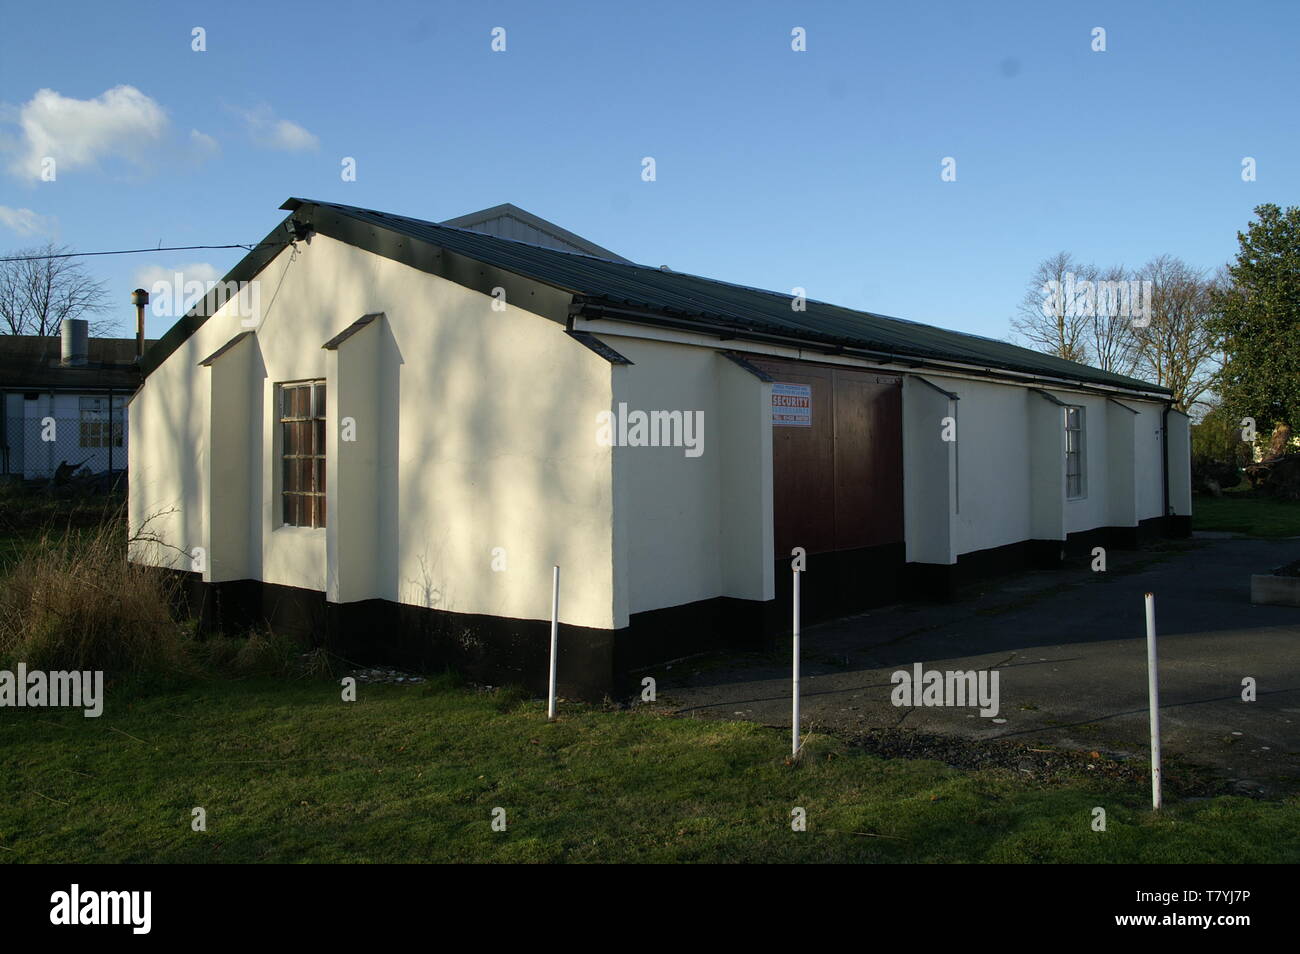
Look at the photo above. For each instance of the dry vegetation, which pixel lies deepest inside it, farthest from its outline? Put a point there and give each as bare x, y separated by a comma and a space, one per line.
70, 599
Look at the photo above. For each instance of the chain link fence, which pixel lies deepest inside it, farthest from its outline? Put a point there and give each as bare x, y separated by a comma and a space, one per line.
56, 448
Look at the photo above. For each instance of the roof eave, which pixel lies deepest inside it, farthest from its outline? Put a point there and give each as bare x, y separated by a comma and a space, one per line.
829, 345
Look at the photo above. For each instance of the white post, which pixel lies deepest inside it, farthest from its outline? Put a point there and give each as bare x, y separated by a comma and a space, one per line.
794, 716
555, 640
1153, 692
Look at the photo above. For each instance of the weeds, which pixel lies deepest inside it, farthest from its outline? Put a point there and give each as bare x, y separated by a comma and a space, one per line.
71, 600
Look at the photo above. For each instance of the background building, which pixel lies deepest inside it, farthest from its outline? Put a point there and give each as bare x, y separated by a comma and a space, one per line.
64, 401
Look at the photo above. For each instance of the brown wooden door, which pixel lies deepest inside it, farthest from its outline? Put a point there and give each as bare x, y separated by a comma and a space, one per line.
838, 479
868, 459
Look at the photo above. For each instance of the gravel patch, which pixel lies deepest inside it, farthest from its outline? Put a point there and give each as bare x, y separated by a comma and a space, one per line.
1048, 766
381, 675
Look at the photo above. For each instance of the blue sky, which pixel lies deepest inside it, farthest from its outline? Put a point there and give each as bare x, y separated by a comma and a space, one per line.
774, 168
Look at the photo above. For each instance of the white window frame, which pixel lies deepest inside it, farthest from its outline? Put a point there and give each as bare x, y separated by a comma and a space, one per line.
1079, 453
100, 420
313, 494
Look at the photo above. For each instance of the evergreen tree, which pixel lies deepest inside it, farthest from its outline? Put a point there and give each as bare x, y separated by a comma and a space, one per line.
1257, 322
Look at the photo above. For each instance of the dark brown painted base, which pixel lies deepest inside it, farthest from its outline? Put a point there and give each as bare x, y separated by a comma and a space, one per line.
927, 581
839, 583
661, 635
594, 663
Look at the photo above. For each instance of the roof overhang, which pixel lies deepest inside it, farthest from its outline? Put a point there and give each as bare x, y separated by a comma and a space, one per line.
724, 331
524, 287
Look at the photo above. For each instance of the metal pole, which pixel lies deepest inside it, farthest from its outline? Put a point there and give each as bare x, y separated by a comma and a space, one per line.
139, 298
1153, 692
794, 716
50, 444
555, 639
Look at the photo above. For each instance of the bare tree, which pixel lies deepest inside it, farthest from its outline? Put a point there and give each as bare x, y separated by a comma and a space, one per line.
39, 290
1111, 319
1046, 318
1176, 348
1110, 331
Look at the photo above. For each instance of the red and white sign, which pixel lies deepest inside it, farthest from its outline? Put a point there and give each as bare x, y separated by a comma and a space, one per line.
791, 405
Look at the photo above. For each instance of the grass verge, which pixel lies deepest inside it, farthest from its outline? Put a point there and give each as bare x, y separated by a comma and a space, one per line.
1248, 513
287, 772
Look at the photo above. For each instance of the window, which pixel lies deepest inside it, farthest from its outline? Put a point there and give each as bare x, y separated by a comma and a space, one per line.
97, 430
302, 453
1075, 483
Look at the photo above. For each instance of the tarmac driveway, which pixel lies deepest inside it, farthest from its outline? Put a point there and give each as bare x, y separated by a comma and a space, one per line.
1070, 648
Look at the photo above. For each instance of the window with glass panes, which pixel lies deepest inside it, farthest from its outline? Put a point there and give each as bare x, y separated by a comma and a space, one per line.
1074, 458
302, 453
98, 428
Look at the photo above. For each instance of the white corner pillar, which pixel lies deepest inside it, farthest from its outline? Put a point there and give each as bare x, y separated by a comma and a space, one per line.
931, 438
744, 436
1178, 452
1046, 465
230, 508
352, 451
1121, 464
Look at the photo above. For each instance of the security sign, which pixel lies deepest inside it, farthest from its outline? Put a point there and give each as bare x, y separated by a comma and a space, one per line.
791, 405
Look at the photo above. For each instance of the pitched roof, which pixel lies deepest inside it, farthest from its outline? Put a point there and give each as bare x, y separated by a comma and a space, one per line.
511, 222
604, 288
32, 362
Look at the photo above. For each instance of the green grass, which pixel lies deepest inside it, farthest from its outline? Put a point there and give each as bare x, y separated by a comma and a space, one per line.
288, 772
28, 514
1247, 513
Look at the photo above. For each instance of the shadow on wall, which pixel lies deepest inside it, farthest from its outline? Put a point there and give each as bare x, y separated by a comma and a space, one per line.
495, 450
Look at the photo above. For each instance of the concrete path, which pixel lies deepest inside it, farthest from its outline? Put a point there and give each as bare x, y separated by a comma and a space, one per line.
1071, 652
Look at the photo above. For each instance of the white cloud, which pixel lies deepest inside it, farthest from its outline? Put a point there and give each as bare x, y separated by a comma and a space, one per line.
289, 135
272, 133
181, 286
27, 222
202, 146
120, 123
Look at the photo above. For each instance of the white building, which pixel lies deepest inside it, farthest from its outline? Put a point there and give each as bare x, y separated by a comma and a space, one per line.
63, 401
400, 442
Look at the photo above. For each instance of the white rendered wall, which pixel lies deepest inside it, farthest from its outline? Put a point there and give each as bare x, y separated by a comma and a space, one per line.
1121, 453
1092, 510
745, 488
929, 485
1006, 469
1148, 466
229, 480
695, 528
354, 541
1008, 466
1180, 468
485, 443
993, 473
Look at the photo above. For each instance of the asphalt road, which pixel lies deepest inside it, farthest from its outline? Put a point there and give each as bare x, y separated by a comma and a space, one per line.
1070, 650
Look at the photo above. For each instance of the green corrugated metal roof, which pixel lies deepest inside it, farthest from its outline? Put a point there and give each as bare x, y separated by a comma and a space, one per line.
735, 311
685, 295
